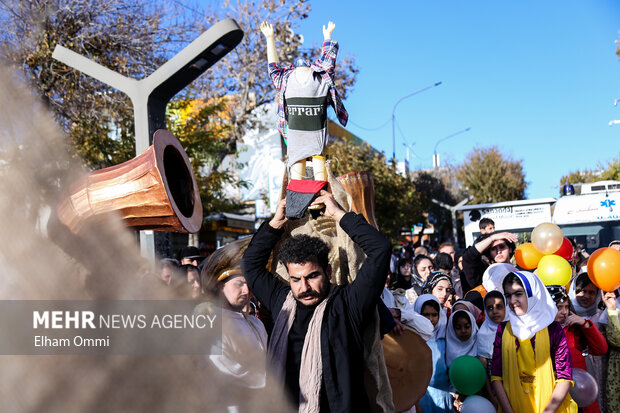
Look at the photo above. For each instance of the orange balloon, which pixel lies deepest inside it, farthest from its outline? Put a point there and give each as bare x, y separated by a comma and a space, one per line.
527, 256
604, 268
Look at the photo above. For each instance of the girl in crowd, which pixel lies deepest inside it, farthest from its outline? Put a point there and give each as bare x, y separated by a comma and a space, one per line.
495, 310
586, 299
423, 266
531, 366
437, 398
440, 285
403, 274
460, 341
611, 329
460, 336
581, 334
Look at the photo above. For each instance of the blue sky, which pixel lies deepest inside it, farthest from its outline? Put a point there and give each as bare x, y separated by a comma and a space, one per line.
536, 78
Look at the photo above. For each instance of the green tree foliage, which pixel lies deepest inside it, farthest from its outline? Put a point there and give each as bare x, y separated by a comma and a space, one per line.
131, 37
204, 134
611, 171
397, 203
489, 176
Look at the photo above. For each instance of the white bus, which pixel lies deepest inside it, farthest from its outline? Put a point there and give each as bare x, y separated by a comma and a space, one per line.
592, 218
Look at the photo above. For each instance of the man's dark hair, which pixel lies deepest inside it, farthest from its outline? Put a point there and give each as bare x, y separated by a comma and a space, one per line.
485, 222
444, 261
304, 248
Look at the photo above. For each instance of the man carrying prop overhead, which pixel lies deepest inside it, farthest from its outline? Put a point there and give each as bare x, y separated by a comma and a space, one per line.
316, 345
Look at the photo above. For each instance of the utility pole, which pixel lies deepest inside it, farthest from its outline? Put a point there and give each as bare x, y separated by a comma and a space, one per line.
453, 210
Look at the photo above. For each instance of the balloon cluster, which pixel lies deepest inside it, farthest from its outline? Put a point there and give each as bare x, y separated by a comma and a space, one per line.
550, 252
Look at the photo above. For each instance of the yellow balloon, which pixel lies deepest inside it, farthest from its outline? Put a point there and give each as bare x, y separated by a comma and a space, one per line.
554, 270
547, 238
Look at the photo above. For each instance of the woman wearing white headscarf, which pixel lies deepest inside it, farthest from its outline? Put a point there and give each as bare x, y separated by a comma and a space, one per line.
586, 298
437, 397
531, 366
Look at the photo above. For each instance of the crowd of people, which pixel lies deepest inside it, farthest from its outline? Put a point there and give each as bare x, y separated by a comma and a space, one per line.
528, 336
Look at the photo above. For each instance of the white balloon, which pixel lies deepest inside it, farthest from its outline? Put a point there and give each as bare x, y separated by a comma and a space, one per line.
477, 404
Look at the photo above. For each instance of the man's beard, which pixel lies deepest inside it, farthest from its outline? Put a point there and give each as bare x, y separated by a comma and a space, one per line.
238, 307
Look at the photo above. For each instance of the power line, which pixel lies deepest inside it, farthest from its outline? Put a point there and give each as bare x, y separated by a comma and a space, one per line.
369, 129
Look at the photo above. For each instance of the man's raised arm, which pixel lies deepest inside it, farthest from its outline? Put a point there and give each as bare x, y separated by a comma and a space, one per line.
269, 290
368, 285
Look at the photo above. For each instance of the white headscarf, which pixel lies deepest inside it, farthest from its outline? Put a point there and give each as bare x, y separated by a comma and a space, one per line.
456, 348
487, 332
590, 313
541, 308
494, 276
471, 307
439, 331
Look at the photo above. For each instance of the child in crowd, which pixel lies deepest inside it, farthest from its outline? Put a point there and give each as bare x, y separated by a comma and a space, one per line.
440, 285
460, 340
531, 366
495, 310
586, 300
423, 266
581, 334
611, 329
460, 336
437, 398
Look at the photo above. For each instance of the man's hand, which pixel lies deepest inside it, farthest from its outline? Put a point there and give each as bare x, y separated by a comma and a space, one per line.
332, 208
609, 299
327, 33
266, 29
279, 219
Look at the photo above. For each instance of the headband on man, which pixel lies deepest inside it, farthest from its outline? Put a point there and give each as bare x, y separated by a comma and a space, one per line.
228, 274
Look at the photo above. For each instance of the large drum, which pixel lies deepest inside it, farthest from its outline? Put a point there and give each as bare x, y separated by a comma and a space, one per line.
409, 365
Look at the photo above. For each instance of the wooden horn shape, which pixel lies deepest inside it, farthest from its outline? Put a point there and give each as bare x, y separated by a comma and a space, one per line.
361, 187
155, 190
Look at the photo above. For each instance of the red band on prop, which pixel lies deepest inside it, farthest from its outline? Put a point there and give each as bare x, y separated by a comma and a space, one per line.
306, 186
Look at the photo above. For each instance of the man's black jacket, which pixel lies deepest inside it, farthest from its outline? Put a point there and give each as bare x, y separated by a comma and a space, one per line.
346, 314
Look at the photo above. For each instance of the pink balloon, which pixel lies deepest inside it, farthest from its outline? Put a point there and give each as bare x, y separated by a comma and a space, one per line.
585, 390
